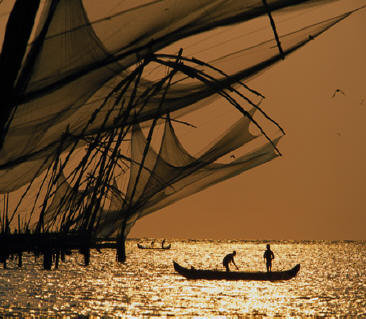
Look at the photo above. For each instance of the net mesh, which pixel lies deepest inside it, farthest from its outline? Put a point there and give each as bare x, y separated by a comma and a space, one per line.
95, 77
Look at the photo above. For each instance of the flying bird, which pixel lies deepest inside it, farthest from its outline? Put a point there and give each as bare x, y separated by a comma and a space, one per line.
338, 91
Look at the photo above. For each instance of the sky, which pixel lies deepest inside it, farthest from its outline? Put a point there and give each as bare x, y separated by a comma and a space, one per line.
317, 188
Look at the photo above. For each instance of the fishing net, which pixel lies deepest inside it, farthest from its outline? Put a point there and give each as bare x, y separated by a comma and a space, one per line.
96, 76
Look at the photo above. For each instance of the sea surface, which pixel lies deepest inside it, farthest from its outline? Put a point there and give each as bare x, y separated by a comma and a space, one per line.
331, 283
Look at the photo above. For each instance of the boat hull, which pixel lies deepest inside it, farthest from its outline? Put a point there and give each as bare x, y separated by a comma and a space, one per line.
236, 275
157, 248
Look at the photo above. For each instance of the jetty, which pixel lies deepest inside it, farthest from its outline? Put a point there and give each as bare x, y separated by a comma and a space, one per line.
53, 247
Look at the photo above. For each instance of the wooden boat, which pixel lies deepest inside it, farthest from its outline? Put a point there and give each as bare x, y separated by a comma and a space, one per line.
236, 275
147, 247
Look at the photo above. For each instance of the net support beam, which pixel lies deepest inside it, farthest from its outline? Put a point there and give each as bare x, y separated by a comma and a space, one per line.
274, 28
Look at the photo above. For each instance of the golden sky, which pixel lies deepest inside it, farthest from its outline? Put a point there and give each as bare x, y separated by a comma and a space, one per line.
317, 189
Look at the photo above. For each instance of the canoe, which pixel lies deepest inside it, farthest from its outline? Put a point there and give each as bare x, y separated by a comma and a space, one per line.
192, 273
161, 248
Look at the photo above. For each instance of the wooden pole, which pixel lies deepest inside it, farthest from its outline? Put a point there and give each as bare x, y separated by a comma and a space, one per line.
274, 29
18, 30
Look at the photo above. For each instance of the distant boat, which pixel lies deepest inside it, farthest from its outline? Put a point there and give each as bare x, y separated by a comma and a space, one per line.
236, 275
149, 247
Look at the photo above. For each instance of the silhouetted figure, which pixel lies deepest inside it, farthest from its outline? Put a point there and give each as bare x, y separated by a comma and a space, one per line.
152, 243
268, 256
162, 243
229, 258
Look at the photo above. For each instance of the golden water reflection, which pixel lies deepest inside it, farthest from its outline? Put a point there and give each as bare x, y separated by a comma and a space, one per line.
331, 282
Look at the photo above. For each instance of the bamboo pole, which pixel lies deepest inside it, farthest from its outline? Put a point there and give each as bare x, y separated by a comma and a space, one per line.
215, 86
274, 29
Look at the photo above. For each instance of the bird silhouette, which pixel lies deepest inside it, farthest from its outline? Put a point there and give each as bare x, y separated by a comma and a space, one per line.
338, 91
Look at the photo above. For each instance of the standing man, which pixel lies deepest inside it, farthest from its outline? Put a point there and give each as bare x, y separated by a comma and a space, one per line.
268, 256
229, 258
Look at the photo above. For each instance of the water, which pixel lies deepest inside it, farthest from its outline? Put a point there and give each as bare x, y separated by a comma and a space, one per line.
331, 283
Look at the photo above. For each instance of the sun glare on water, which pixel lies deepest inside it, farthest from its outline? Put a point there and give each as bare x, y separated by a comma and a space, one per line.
148, 285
